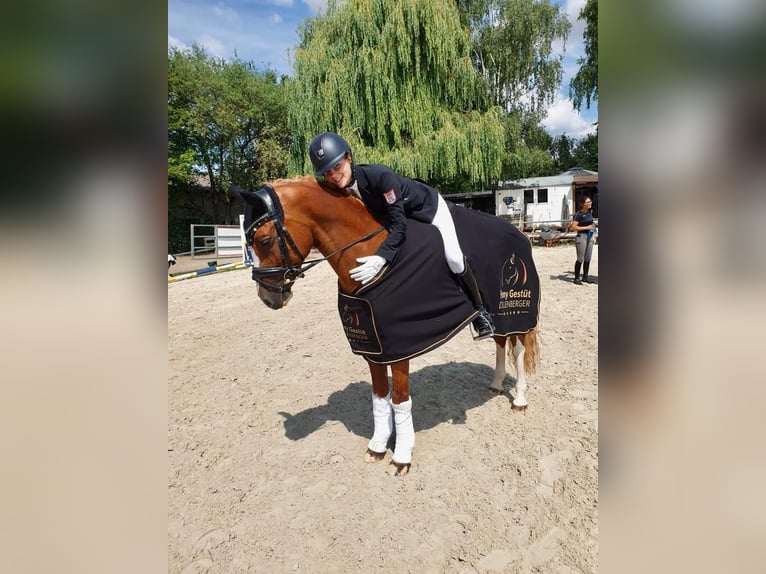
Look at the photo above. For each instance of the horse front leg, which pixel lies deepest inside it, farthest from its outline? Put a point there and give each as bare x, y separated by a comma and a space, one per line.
382, 414
401, 403
496, 387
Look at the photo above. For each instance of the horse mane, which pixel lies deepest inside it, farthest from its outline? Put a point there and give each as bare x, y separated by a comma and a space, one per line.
310, 181
312, 184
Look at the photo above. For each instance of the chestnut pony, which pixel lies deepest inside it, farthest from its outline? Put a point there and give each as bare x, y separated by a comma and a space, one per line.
289, 217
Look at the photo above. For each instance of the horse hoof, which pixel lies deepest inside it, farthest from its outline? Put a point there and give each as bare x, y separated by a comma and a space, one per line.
495, 391
373, 456
397, 469
519, 408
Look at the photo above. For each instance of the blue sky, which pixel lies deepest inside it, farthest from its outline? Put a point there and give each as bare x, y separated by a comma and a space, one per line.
263, 31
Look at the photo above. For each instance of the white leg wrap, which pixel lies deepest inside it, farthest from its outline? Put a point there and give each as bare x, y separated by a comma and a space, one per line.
499, 376
383, 417
521, 381
405, 432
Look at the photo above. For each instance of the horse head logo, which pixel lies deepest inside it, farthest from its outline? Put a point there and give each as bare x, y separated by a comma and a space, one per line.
514, 272
349, 317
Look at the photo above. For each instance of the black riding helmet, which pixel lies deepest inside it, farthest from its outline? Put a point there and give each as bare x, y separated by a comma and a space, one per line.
326, 150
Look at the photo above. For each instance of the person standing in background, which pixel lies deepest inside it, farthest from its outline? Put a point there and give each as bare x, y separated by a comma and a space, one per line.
584, 225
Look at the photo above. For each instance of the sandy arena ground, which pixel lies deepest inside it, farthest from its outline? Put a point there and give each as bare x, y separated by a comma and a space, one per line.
270, 414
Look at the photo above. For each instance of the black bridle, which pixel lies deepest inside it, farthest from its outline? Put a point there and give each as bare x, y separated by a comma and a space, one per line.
288, 271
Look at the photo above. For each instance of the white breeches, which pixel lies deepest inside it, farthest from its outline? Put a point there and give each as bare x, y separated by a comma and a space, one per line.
452, 251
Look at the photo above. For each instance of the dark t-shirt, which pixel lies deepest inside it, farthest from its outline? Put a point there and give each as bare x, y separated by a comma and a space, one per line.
584, 219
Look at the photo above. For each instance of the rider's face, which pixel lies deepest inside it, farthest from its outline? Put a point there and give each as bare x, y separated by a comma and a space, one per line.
340, 173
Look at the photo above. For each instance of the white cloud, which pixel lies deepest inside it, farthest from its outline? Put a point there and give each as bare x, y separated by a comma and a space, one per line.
316, 5
253, 32
575, 46
174, 42
224, 12
573, 9
212, 46
562, 118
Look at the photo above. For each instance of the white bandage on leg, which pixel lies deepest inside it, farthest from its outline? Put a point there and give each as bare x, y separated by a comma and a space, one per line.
383, 417
405, 432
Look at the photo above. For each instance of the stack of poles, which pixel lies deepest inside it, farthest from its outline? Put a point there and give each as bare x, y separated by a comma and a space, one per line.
209, 270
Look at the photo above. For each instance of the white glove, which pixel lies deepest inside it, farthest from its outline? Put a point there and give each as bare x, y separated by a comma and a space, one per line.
369, 268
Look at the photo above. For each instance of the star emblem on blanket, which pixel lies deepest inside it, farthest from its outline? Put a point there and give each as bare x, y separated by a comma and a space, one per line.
514, 272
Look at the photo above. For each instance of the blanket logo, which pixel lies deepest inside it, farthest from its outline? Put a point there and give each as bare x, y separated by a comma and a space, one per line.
515, 299
514, 273
349, 317
358, 324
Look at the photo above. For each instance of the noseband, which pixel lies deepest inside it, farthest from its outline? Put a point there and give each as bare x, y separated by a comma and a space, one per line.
271, 210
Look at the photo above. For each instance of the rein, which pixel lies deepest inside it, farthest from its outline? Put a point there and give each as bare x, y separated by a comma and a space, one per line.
288, 270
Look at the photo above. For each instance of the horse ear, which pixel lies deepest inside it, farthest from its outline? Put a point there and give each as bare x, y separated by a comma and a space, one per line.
247, 197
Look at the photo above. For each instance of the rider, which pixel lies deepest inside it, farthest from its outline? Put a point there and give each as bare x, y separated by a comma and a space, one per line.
386, 193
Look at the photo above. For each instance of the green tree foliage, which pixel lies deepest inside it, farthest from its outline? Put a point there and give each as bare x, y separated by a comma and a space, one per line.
527, 148
585, 153
584, 86
527, 161
561, 150
512, 47
226, 121
396, 79
569, 153
534, 135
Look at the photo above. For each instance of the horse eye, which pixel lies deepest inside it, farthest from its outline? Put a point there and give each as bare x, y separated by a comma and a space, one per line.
266, 242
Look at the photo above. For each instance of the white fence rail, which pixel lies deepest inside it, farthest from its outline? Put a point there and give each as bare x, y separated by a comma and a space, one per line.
217, 240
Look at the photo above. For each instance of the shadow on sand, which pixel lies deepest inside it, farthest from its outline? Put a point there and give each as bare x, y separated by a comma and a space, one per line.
440, 393
568, 277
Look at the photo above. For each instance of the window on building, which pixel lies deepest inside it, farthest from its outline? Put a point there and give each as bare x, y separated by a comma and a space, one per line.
542, 196
529, 196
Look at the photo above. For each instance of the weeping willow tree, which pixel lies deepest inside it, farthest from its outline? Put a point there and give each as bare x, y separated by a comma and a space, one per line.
396, 79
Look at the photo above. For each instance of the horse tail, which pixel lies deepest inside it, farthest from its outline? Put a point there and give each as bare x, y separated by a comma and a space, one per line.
532, 354
531, 350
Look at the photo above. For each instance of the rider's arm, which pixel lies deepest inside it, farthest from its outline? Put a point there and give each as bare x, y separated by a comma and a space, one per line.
389, 188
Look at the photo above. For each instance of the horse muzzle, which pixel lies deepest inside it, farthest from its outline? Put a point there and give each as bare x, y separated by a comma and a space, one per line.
275, 299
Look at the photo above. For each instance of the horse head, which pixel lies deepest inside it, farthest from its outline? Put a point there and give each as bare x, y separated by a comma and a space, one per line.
285, 219
280, 251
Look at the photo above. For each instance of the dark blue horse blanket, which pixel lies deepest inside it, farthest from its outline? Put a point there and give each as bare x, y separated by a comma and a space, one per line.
416, 304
